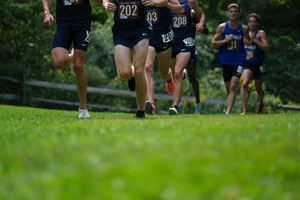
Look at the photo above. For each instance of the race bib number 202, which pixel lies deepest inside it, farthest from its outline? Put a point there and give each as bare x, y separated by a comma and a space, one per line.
128, 10
71, 2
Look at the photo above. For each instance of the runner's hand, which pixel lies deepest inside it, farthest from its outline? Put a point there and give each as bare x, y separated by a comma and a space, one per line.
147, 3
109, 7
48, 19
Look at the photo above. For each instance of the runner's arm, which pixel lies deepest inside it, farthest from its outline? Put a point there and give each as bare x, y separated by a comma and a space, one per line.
261, 41
158, 3
217, 42
98, 1
175, 7
247, 39
48, 18
109, 7
195, 6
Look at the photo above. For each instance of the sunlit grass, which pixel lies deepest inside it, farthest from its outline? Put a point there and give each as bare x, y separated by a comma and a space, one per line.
51, 154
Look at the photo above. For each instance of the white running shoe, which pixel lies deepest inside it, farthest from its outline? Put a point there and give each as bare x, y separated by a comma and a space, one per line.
198, 108
83, 113
225, 112
180, 105
173, 111
185, 78
72, 64
72, 69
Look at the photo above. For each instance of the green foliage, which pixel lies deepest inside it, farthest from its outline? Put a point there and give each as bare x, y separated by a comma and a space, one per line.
99, 14
24, 40
101, 48
116, 156
283, 69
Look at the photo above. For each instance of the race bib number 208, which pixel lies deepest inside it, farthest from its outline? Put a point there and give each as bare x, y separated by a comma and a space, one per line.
71, 2
179, 21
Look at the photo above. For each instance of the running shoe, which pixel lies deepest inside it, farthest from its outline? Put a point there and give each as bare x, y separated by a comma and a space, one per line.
170, 87
260, 109
186, 84
198, 108
83, 113
225, 112
244, 112
180, 105
173, 111
131, 84
140, 115
149, 107
72, 64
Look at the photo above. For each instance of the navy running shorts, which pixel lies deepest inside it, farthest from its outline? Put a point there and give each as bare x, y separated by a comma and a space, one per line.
162, 40
78, 34
193, 57
257, 70
129, 34
230, 71
183, 45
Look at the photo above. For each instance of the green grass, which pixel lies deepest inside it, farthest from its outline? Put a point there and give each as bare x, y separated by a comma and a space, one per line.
51, 154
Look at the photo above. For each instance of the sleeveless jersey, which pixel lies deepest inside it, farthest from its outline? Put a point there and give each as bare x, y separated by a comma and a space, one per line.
73, 11
233, 52
182, 24
129, 11
254, 54
160, 17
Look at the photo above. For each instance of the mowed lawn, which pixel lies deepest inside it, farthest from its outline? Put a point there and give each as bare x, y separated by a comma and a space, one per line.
51, 154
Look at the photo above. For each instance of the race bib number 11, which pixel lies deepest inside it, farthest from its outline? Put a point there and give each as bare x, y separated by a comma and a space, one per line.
233, 45
71, 2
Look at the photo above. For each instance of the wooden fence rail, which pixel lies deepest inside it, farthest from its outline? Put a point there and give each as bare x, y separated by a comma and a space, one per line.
105, 91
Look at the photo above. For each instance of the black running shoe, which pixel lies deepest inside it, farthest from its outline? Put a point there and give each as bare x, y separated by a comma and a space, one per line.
131, 84
149, 107
140, 114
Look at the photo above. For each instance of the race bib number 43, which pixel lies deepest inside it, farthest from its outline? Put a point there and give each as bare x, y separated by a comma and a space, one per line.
152, 16
128, 10
71, 2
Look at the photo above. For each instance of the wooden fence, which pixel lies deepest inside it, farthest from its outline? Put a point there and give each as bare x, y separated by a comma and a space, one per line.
104, 91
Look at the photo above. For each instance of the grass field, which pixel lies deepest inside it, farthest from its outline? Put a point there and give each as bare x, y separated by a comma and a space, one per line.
51, 154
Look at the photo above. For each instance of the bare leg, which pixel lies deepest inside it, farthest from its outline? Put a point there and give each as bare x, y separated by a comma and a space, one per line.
182, 60
123, 61
149, 73
232, 93
260, 91
164, 59
60, 57
191, 70
139, 59
247, 75
81, 78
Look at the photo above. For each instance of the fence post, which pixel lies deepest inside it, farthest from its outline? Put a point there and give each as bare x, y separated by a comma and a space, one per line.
23, 94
